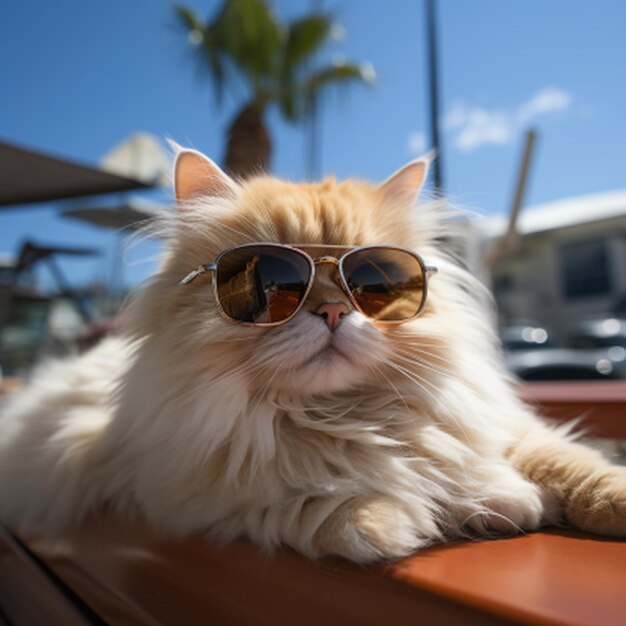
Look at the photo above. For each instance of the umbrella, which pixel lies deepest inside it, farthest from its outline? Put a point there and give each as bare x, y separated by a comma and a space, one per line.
131, 213
27, 176
141, 156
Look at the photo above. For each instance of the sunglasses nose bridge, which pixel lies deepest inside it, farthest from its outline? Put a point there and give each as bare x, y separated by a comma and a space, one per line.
336, 274
329, 260
326, 259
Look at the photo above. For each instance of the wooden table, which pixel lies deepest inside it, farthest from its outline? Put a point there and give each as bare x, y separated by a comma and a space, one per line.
117, 573
601, 405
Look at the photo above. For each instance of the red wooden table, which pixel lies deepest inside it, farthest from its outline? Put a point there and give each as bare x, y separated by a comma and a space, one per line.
601, 405
119, 573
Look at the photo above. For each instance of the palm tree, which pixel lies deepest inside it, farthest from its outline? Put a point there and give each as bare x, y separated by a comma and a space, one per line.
246, 45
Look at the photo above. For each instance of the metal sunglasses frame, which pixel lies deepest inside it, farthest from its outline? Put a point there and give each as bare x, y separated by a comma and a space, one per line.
427, 270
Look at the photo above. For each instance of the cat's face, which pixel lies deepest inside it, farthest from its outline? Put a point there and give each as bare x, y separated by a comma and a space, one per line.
307, 354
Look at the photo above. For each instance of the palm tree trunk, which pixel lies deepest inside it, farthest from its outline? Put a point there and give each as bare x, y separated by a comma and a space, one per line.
249, 147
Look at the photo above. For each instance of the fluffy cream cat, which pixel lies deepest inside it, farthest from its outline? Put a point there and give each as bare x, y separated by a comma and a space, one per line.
330, 433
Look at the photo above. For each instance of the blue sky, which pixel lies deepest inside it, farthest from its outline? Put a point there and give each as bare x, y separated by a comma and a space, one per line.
79, 77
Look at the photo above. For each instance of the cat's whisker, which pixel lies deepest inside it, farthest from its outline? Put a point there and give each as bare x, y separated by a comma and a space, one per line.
422, 364
429, 353
422, 382
516, 529
378, 370
424, 353
436, 361
436, 370
260, 395
415, 378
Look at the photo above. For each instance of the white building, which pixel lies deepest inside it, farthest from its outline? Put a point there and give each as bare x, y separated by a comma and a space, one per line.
569, 262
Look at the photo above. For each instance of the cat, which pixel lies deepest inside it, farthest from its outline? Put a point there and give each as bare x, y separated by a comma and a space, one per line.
333, 436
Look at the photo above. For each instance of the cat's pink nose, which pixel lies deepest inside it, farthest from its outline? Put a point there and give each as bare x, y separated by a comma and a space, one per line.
332, 312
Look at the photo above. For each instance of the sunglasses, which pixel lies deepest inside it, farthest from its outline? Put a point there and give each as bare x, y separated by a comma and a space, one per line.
266, 284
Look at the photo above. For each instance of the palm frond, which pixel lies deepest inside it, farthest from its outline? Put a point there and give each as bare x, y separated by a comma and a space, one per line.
305, 37
252, 37
188, 18
206, 47
338, 73
245, 43
290, 104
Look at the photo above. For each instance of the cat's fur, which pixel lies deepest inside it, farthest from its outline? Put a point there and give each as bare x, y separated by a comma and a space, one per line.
400, 437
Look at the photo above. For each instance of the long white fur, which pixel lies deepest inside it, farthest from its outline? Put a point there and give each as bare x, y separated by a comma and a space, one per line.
204, 426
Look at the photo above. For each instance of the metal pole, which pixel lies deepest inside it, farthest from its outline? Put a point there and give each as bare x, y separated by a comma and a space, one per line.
508, 242
431, 36
65, 290
312, 166
314, 139
520, 187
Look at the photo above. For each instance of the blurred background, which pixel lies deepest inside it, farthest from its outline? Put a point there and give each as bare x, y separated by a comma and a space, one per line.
523, 101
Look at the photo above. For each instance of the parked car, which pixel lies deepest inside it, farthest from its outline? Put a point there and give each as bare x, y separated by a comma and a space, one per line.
563, 364
620, 309
603, 334
525, 337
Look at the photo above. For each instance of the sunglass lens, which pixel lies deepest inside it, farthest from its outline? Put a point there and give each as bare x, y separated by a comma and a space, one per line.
261, 284
387, 284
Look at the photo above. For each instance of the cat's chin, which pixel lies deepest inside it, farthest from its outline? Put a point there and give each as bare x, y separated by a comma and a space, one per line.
311, 359
328, 372
335, 366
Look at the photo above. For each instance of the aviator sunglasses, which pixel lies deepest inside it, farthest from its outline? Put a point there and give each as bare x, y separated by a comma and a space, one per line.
266, 284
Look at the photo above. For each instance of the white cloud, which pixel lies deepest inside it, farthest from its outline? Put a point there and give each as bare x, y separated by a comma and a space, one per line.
417, 143
547, 100
455, 117
473, 127
483, 127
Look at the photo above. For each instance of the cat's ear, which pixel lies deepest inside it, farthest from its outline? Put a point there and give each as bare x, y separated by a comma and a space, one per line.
404, 186
196, 175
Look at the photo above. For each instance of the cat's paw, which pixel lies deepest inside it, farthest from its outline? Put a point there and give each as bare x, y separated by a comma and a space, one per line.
512, 506
598, 504
375, 530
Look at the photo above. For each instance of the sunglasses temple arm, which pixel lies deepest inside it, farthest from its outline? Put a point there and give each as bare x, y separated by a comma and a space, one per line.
431, 270
201, 269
